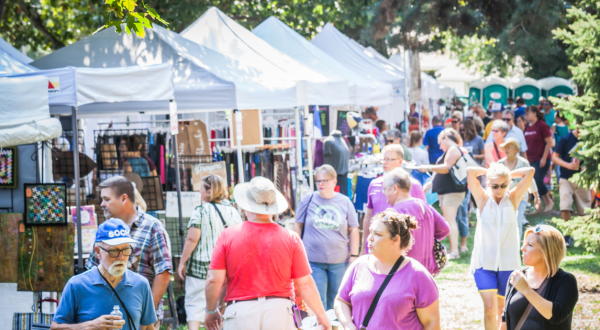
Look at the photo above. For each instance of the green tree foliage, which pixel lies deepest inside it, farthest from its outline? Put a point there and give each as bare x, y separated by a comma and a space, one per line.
583, 49
133, 15
69, 21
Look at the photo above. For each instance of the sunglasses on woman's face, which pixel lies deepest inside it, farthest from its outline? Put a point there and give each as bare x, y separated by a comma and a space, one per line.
497, 186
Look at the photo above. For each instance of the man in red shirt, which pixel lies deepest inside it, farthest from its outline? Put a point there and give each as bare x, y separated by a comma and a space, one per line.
262, 263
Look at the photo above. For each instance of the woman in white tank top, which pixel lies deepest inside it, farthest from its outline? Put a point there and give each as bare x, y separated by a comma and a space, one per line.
496, 248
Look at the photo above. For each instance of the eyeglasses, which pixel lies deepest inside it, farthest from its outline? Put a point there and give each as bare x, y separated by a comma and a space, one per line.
323, 181
545, 104
463, 130
497, 186
508, 120
389, 141
388, 160
495, 131
115, 253
455, 121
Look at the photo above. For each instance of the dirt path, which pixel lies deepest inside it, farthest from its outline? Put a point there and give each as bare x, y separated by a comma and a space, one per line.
461, 306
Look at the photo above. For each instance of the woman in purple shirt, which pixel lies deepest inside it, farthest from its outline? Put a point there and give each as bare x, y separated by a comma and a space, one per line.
396, 187
409, 301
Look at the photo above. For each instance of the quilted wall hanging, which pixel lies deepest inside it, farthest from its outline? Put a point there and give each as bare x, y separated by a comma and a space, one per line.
45, 204
8, 167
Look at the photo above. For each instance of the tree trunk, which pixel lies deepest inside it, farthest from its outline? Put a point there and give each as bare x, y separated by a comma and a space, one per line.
37, 22
2, 6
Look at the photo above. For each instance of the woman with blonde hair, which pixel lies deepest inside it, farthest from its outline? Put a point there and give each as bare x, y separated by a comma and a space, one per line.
328, 225
442, 183
496, 245
492, 151
409, 299
206, 225
543, 295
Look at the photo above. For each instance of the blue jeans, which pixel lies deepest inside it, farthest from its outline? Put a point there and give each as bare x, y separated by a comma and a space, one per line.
462, 216
540, 174
328, 278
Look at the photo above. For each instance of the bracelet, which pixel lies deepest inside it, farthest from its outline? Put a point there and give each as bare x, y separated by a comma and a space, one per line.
211, 312
354, 255
430, 169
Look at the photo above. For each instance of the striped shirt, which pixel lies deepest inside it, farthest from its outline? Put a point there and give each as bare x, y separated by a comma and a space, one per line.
206, 218
152, 252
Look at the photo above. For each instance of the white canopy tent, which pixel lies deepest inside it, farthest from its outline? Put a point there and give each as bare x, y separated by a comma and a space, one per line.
12, 61
348, 53
430, 87
204, 80
24, 112
363, 91
217, 31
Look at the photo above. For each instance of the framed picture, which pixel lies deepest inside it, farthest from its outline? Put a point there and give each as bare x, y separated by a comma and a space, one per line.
45, 204
8, 167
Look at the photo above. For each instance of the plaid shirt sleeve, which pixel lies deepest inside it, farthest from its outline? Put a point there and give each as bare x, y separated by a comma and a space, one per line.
92, 260
160, 250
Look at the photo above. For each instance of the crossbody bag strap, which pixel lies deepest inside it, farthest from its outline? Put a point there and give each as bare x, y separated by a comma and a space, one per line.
387, 280
220, 215
129, 319
312, 194
497, 152
530, 306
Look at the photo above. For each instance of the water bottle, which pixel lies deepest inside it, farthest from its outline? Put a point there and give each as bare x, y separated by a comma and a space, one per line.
117, 312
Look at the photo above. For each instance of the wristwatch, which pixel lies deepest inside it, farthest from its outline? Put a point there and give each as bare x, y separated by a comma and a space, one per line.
354, 255
211, 312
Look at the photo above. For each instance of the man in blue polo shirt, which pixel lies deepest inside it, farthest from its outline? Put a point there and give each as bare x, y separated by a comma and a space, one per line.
88, 300
430, 140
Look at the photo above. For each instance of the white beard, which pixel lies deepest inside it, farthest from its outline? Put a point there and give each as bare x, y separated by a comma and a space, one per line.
117, 272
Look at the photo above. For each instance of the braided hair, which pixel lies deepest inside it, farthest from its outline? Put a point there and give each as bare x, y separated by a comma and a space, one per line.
398, 224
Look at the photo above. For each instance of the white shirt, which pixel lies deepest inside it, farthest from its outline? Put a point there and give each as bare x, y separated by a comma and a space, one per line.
496, 245
516, 133
419, 155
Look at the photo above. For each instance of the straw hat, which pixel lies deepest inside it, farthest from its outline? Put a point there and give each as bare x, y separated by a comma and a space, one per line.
260, 196
511, 141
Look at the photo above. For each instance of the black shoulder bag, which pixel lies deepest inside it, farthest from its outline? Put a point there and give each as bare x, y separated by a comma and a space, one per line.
220, 215
312, 194
387, 280
129, 319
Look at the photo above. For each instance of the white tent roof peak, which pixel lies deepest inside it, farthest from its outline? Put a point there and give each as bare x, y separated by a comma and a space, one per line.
363, 91
12, 61
203, 78
217, 31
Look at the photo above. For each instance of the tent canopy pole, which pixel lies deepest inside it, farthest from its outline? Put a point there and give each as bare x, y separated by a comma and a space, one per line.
77, 184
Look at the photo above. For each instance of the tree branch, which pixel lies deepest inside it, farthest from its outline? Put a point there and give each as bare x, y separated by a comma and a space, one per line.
37, 22
2, 6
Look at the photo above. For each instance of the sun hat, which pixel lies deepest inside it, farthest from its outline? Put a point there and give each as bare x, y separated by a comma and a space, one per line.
260, 196
511, 141
114, 232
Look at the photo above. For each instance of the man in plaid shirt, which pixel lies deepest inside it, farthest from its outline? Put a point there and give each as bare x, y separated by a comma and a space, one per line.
151, 256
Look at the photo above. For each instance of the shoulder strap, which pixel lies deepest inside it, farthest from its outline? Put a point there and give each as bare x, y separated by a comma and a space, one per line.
540, 291
387, 280
497, 152
220, 215
129, 319
312, 194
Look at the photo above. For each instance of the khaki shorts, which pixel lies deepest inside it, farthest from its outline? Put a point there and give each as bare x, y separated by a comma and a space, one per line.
259, 315
452, 199
569, 193
195, 299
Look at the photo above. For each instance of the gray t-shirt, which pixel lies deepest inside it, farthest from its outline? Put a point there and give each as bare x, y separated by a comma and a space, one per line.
326, 236
475, 147
336, 154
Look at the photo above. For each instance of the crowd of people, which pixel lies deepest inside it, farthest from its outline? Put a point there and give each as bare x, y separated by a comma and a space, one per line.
245, 271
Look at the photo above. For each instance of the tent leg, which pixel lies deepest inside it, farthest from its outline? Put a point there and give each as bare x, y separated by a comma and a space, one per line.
309, 151
178, 187
239, 155
77, 184
298, 156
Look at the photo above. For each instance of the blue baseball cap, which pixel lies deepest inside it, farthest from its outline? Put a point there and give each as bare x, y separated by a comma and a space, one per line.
114, 232
497, 107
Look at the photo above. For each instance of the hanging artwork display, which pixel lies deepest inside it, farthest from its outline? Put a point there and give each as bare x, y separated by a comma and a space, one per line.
45, 204
88, 216
8, 167
45, 257
9, 233
88, 238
